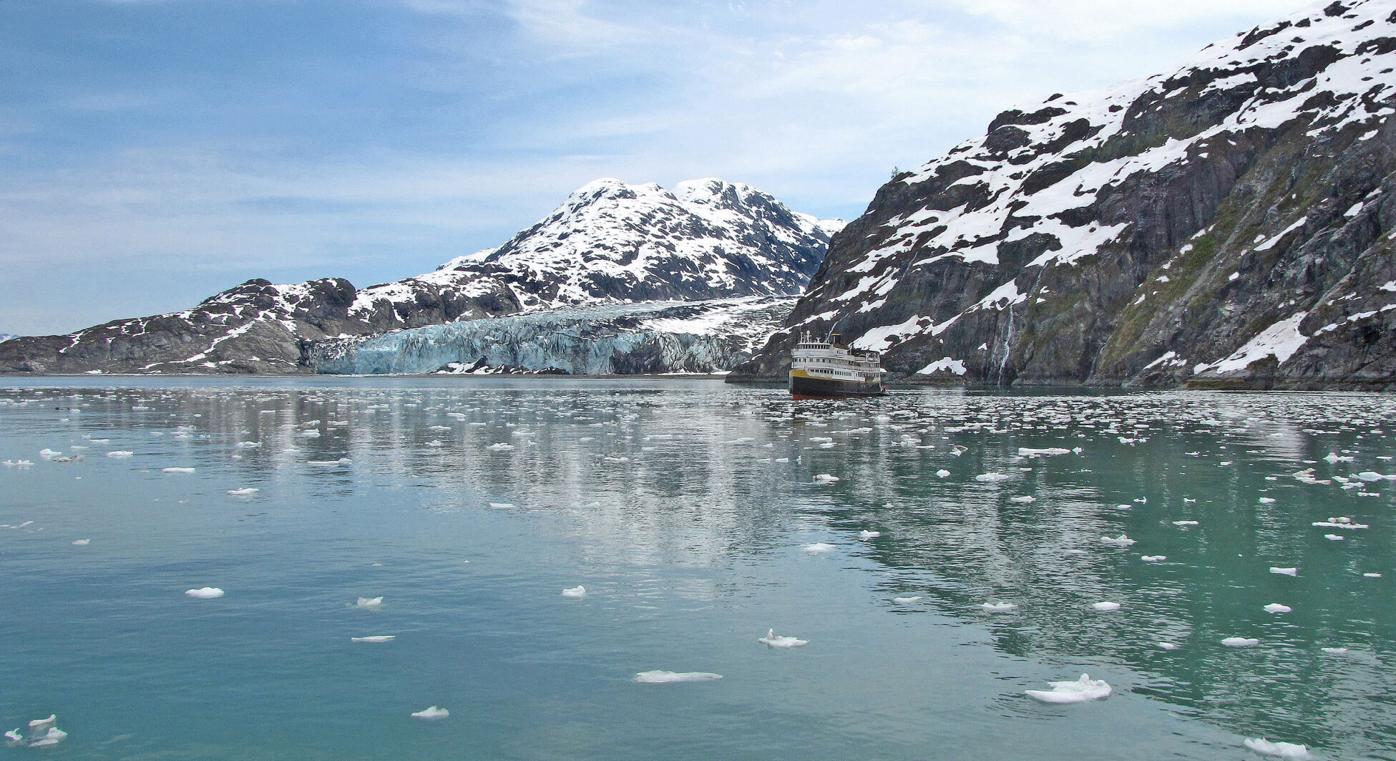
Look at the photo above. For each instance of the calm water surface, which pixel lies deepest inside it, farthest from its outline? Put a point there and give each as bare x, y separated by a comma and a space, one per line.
686, 509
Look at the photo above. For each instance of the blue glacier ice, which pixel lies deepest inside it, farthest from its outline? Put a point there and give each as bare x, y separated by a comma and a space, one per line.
651, 337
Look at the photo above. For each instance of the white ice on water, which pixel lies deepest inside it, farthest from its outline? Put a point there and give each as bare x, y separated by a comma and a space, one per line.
819, 548
1074, 691
776, 640
1240, 642
1105, 606
575, 593
374, 639
999, 607
1275, 607
432, 713
1276, 749
369, 602
204, 593
670, 677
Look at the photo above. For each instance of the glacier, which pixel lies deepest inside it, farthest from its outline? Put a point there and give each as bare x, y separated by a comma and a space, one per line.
654, 337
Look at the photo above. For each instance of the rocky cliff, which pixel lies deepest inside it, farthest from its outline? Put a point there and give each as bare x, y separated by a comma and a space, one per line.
609, 243
1230, 223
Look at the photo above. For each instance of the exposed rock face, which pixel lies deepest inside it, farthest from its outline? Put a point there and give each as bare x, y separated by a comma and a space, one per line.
609, 243
1228, 224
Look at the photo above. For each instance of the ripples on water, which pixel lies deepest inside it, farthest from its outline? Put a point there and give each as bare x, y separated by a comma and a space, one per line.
684, 509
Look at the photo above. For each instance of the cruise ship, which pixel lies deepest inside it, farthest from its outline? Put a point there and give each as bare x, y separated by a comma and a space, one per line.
827, 369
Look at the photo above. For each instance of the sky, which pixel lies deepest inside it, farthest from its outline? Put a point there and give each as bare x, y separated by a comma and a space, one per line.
155, 152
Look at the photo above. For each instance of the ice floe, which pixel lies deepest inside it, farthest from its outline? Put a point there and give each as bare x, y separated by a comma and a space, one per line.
1240, 642
204, 593
177, 470
818, 548
998, 607
670, 677
1117, 541
369, 602
1275, 607
1105, 606
246, 491
1280, 571
776, 640
1276, 749
825, 478
576, 593
432, 713
865, 535
374, 639
1074, 691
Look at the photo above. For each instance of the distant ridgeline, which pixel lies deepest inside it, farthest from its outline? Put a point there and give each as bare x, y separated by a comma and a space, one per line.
1229, 224
609, 244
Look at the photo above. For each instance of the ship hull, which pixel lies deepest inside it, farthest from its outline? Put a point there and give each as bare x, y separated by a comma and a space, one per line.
802, 386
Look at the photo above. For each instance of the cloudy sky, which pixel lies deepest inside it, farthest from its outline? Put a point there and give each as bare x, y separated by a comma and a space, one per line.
153, 152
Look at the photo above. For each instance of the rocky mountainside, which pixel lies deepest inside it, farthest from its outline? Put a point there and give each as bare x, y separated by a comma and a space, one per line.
1230, 223
608, 243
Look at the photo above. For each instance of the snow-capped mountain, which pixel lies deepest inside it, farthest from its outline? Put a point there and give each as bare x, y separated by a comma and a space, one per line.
1228, 223
609, 243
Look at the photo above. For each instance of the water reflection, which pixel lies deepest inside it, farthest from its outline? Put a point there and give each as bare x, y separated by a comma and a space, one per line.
702, 476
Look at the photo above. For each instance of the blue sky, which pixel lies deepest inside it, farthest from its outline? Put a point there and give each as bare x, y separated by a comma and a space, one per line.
154, 152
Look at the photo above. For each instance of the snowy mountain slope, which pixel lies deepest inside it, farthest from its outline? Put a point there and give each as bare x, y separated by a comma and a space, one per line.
1226, 223
609, 243
650, 337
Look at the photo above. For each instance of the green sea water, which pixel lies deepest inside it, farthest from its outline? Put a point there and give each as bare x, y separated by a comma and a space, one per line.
691, 513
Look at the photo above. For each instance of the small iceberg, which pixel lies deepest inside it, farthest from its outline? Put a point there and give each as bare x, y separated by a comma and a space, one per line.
1167, 646
432, 713
825, 478
776, 640
1117, 541
942, 473
1277, 750
865, 535
1275, 607
1078, 691
371, 603
1105, 606
246, 491
1335, 650
819, 548
992, 478
500, 447
1284, 571
1153, 558
374, 639
204, 593
120, 453
670, 677
176, 470
1023, 500
81, 542
575, 593
998, 607
1184, 523
907, 600
1240, 642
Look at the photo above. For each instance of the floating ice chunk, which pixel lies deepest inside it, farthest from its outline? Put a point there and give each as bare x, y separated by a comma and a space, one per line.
991, 478
1023, 499
204, 593
246, 491
47, 739
176, 470
13, 737
1275, 607
906, 600
825, 478
81, 542
502, 505
369, 602
1335, 650
1240, 642
575, 593
819, 548
1078, 691
1184, 523
311, 434
500, 447
1369, 476
49, 454
1117, 541
942, 473
1048, 452
330, 463
248, 444
374, 639
1334, 457
1284, 571
1105, 606
1371, 575
432, 713
1278, 750
670, 677
43, 725
1267, 500
117, 454
998, 607
865, 535
1153, 558
1167, 646
1333, 537
776, 640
